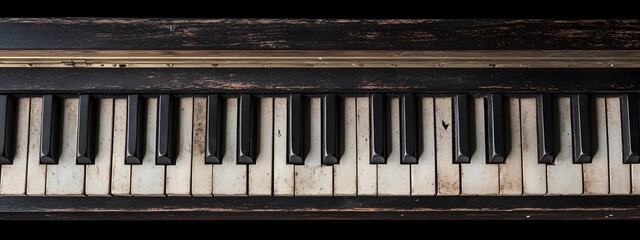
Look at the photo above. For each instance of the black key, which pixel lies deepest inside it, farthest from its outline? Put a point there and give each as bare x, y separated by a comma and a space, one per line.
51, 125
408, 129
546, 147
7, 129
330, 129
378, 129
214, 129
295, 129
461, 129
167, 128
87, 127
495, 129
246, 130
581, 129
630, 131
136, 116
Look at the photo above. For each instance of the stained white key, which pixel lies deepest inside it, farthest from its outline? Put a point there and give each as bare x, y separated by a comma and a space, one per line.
394, 178
201, 173
448, 173
423, 174
149, 178
534, 175
179, 175
367, 173
511, 171
36, 173
66, 177
120, 172
14, 177
596, 173
283, 178
260, 174
312, 178
344, 174
619, 173
230, 178
98, 175
564, 177
479, 177
635, 179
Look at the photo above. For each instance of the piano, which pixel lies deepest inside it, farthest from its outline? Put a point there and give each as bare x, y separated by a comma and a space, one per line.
303, 119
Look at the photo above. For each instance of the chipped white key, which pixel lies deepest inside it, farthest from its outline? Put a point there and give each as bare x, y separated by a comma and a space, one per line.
534, 174
282, 172
344, 174
619, 173
367, 173
511, 171
479, 177
448, 173
14, 177
564, 177
230, 178
66, 177
149, 178
312, 178
260, 174
394, 178
423, 174
179, 175
36, 172
120, 172
98, 175
201, 173
596, 173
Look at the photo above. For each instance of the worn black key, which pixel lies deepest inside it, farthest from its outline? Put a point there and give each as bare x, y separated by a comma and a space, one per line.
167, 128
581, 128
495, 129
408, 129
136, 116
51, 125
214, 129
330, 129
87, 129
546, 147
378, 129
295, 129
7, 129
246, 130
461, 129
630, 131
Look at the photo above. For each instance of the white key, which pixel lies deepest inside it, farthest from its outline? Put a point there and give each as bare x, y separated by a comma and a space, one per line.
67, 178
179, 175
619, 173
564, 177
511, 171
344, 174
36, 173
534, 175
394, 178
148, 178
260, 173
423, 174
367, 173
596, 173
98, 175
448, 173
120, 172
201, 173
282, 172
14, 177
313, 178
635, 179
479, 177
230, 178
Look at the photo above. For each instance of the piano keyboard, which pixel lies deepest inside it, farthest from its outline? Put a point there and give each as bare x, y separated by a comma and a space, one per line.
381, 145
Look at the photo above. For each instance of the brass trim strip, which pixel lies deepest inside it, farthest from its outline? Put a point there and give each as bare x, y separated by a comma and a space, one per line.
320, 59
